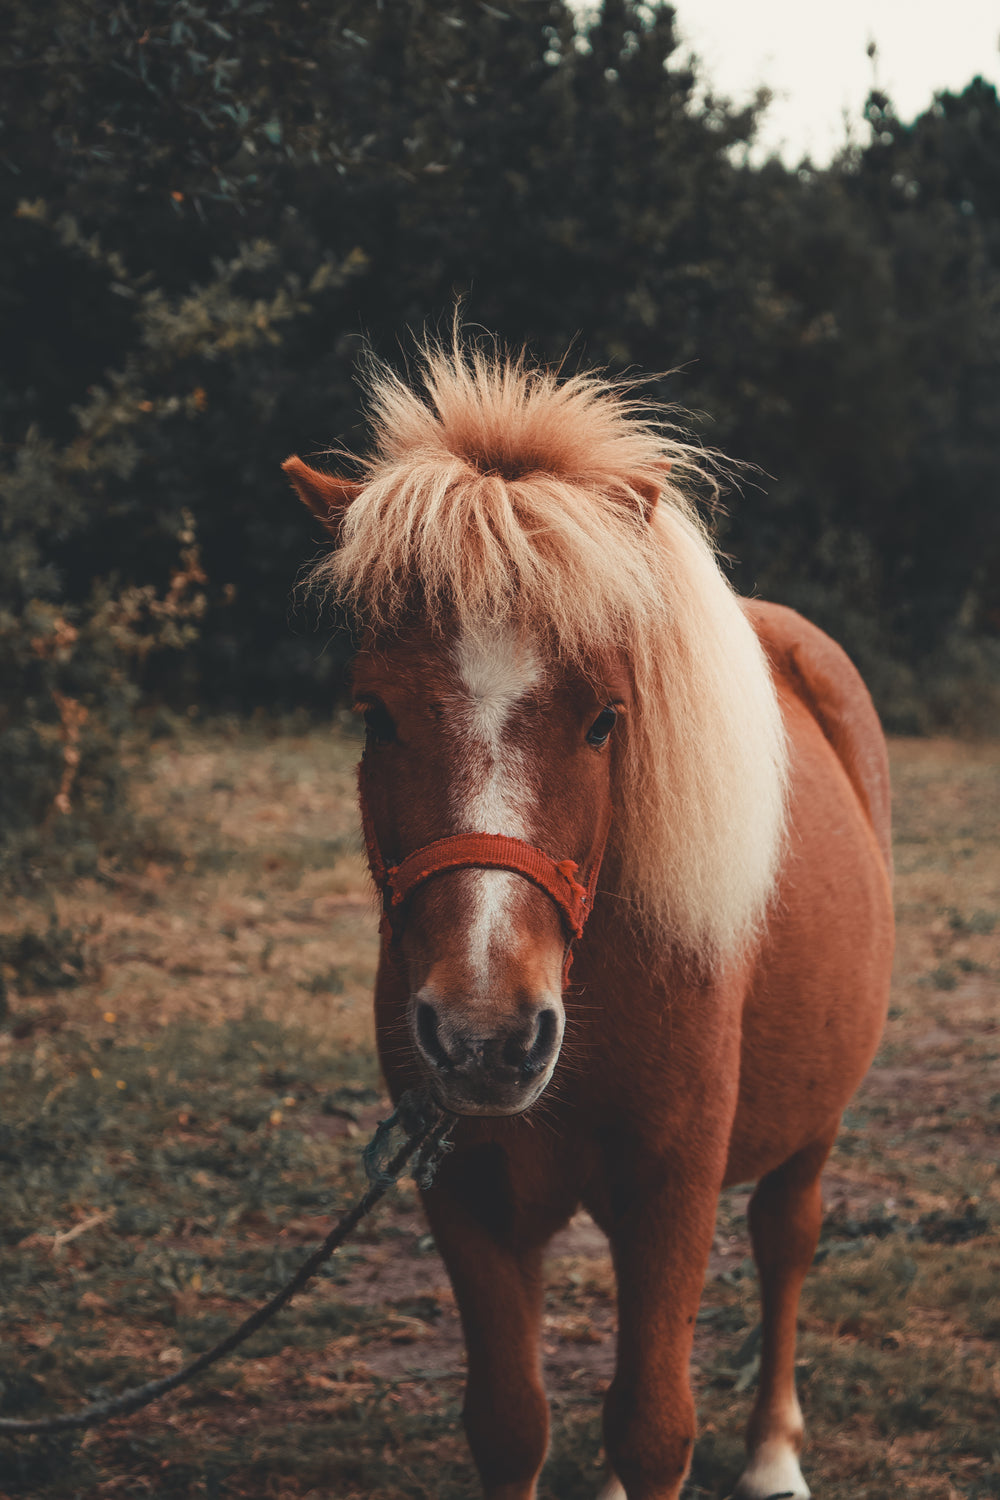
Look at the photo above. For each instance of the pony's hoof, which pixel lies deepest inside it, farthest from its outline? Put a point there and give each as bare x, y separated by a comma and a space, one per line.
612, 1489
773, 1473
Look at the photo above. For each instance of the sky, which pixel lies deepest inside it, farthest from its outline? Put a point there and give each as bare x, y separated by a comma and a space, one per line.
812, 55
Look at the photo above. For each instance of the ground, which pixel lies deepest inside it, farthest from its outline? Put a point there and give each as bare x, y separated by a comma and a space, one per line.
182, 1121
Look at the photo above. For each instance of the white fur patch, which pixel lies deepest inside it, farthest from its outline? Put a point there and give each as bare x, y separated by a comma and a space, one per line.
496, 670
612, 1490
773, 1470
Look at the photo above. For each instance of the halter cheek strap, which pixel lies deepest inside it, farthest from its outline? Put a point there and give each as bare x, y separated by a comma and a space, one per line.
561, 880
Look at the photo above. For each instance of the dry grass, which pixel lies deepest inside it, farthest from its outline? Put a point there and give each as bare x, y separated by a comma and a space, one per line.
258, 899
199, 1093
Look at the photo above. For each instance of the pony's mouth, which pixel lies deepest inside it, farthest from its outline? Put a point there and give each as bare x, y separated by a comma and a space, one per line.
489, 1099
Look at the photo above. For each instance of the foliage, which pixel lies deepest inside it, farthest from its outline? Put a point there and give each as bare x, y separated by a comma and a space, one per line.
884, 291
68, 663
208, 206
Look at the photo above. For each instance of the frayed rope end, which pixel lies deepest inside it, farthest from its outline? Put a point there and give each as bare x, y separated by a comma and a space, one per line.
416, 1114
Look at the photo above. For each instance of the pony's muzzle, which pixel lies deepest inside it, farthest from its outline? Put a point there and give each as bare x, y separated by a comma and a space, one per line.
476, 1069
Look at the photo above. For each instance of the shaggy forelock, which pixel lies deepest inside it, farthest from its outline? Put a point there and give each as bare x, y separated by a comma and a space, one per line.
501, 493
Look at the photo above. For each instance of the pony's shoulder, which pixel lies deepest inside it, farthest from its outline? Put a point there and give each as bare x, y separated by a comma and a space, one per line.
810, 665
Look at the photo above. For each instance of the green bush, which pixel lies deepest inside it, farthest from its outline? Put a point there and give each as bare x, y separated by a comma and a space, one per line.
69, 670
73, 667
271, 184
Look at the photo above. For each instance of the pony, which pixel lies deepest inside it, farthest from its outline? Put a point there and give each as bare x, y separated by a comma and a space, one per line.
630, 833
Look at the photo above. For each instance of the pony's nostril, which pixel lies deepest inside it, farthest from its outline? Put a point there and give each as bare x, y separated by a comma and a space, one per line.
427, 1036
540, 1052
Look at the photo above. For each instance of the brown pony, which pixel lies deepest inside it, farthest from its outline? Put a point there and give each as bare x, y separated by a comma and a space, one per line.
572, 719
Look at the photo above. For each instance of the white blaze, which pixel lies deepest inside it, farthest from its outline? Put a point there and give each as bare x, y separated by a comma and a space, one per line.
496, 669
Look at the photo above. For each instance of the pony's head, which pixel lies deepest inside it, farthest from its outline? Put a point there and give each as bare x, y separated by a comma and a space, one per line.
548, 651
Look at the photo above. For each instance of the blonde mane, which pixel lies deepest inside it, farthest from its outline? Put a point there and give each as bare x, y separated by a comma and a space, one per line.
503, 492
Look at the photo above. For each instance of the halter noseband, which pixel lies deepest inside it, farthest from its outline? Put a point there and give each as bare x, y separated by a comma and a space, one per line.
479, 851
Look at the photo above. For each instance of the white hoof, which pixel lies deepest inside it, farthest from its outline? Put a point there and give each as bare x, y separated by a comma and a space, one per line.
612, 1490
773, 1473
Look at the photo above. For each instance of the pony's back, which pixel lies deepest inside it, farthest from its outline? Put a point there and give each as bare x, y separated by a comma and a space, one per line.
823, 677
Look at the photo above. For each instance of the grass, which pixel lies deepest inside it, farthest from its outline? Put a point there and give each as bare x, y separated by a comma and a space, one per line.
188, 1075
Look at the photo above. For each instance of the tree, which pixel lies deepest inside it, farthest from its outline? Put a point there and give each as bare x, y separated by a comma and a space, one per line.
273, 182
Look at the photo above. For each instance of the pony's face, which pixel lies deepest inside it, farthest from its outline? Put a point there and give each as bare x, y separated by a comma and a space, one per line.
480, 734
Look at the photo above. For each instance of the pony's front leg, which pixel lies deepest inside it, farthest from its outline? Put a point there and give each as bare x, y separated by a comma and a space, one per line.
661, 1248
499, 1293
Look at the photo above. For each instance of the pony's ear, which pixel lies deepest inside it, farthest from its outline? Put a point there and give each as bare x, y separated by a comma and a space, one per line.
651, 489
324, 494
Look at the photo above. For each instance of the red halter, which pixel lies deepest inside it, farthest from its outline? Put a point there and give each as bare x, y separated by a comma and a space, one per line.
479, 851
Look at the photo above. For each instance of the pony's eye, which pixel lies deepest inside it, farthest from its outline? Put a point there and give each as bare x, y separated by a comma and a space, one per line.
602, 726
378, 723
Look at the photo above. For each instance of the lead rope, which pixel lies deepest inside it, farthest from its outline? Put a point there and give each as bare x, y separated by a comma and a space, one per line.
426, 1126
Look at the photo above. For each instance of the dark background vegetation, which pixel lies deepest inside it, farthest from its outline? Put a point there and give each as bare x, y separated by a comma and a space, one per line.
208, 208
